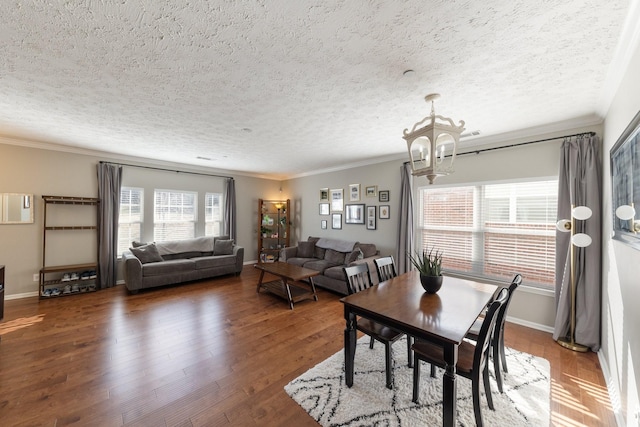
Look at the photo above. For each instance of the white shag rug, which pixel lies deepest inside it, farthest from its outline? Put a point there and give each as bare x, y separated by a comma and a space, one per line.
321, 391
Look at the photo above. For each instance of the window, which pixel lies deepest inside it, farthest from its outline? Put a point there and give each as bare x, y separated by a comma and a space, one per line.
213, 214
175, 215
130, 219
493, 230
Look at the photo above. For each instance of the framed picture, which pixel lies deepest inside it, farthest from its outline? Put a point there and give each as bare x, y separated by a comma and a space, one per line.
384, 211
371, 217
337, 200
324, 194
324, 208
323, 224
625, 182
383, 196
371, 191
354, 192
336, 221
354, 214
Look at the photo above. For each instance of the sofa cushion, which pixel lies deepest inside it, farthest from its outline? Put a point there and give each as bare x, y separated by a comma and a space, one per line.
168, 267
334, 257
335, 272
147, 253
223, 247
181, 255
319, 252
368, 249
318, 265
305, 249
300, 262
214, 261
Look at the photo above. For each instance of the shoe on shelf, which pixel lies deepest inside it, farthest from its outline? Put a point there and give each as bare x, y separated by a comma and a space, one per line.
75, 288
83, 288
84, 275
92, 274
46, 293
55, 292
74, 276
67, 289
66, 277
92, 287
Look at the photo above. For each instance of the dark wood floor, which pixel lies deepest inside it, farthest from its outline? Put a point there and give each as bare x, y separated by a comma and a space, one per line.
206, 354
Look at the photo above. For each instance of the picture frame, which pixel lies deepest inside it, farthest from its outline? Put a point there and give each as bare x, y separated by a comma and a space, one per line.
383, 196
324, 208
384, 211
371, 191
337, 200
354, 192
323, 224
354, 214
324, 194
336, 221
625, 182
371, 217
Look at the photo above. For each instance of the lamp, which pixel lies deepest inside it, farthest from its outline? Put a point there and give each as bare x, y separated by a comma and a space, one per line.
581, 240
628, 213
427, 145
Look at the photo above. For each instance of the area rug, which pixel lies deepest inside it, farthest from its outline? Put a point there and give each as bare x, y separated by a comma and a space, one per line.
321, 391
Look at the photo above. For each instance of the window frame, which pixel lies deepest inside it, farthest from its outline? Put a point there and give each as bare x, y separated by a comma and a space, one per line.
121, 248
157, 237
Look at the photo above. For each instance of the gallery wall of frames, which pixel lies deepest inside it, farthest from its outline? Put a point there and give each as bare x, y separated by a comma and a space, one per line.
358, 206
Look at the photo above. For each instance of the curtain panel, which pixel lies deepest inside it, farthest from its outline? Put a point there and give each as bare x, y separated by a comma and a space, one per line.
109, 183
405, 222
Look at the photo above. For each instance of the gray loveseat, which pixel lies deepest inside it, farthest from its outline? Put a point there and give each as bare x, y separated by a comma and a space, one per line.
329, 256
158, 264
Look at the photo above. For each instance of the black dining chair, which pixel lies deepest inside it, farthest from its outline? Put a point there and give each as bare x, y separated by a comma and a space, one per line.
358, 279
472, 359
385, 267
497, 339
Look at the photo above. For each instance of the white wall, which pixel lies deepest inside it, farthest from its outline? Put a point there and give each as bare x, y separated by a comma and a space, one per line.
621, 268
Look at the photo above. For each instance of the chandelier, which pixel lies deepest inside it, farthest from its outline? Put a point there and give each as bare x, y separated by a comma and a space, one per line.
428, 144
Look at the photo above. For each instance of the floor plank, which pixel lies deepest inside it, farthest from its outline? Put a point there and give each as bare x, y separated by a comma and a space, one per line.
208, 353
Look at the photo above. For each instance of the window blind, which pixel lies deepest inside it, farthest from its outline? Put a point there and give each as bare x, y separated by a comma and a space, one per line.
130, 217
175, 215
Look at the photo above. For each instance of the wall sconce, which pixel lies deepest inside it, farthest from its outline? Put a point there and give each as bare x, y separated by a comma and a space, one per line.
427, 145
628, 213
581, 240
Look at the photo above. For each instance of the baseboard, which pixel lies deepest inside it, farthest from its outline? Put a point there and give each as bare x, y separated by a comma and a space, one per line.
531, 325
614, 393
20, 296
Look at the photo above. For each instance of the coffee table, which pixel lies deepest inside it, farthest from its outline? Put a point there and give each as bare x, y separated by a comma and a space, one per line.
289, 285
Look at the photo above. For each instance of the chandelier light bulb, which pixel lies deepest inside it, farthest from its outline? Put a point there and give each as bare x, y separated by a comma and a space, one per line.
625, 212
581, 240
581, 212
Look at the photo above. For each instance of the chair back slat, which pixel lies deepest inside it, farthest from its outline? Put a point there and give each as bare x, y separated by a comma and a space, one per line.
488, 325
386, 268
357, 277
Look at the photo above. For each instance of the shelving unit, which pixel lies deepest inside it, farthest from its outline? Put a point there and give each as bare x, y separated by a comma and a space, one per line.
69, 279
273, 228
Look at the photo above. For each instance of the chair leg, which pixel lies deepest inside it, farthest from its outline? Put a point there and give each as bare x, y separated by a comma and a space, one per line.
475, 392
433, 370
389, 366
487, 386
503, 356
416, 380
371, 343
409, 352
496, 365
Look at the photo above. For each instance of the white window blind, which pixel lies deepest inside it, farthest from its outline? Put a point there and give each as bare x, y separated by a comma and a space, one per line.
213, 214
175, 215
130, 217
493, 230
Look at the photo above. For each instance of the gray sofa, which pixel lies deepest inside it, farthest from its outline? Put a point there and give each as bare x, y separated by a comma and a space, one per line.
329, 256
157, 264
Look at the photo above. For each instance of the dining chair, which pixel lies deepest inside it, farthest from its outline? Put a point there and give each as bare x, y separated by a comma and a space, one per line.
497, 339
472, 359
385, 267
358, 279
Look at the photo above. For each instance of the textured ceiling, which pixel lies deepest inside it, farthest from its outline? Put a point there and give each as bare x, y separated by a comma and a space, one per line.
280, 88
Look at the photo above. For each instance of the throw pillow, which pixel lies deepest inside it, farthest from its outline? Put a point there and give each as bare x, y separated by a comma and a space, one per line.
137, 244
305, 249
223, 247
334, 257
147, 253
355, 254
368, 249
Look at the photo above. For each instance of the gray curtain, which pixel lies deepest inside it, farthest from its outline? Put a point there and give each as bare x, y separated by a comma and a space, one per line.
230, 209
579, 184
109, 183
405, 220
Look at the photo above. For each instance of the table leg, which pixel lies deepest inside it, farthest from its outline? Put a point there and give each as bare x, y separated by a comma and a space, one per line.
449, 387
260, 280
313, 289
286, 287
349, 345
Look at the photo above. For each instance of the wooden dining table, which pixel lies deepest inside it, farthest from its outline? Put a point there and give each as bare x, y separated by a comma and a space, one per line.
443, 318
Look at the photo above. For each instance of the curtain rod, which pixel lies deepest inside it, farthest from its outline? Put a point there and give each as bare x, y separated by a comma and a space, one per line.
520, 143
167, 170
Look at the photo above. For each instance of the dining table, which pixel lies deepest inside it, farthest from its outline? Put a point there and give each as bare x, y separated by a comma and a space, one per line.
443, 318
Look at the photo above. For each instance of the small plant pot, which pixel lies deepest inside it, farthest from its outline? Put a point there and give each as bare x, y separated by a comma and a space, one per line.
431, 284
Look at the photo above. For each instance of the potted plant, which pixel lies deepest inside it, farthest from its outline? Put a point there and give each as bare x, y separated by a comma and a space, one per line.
265, 231
429, 264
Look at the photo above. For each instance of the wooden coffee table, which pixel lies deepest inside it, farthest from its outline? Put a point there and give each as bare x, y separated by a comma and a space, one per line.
289, 285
